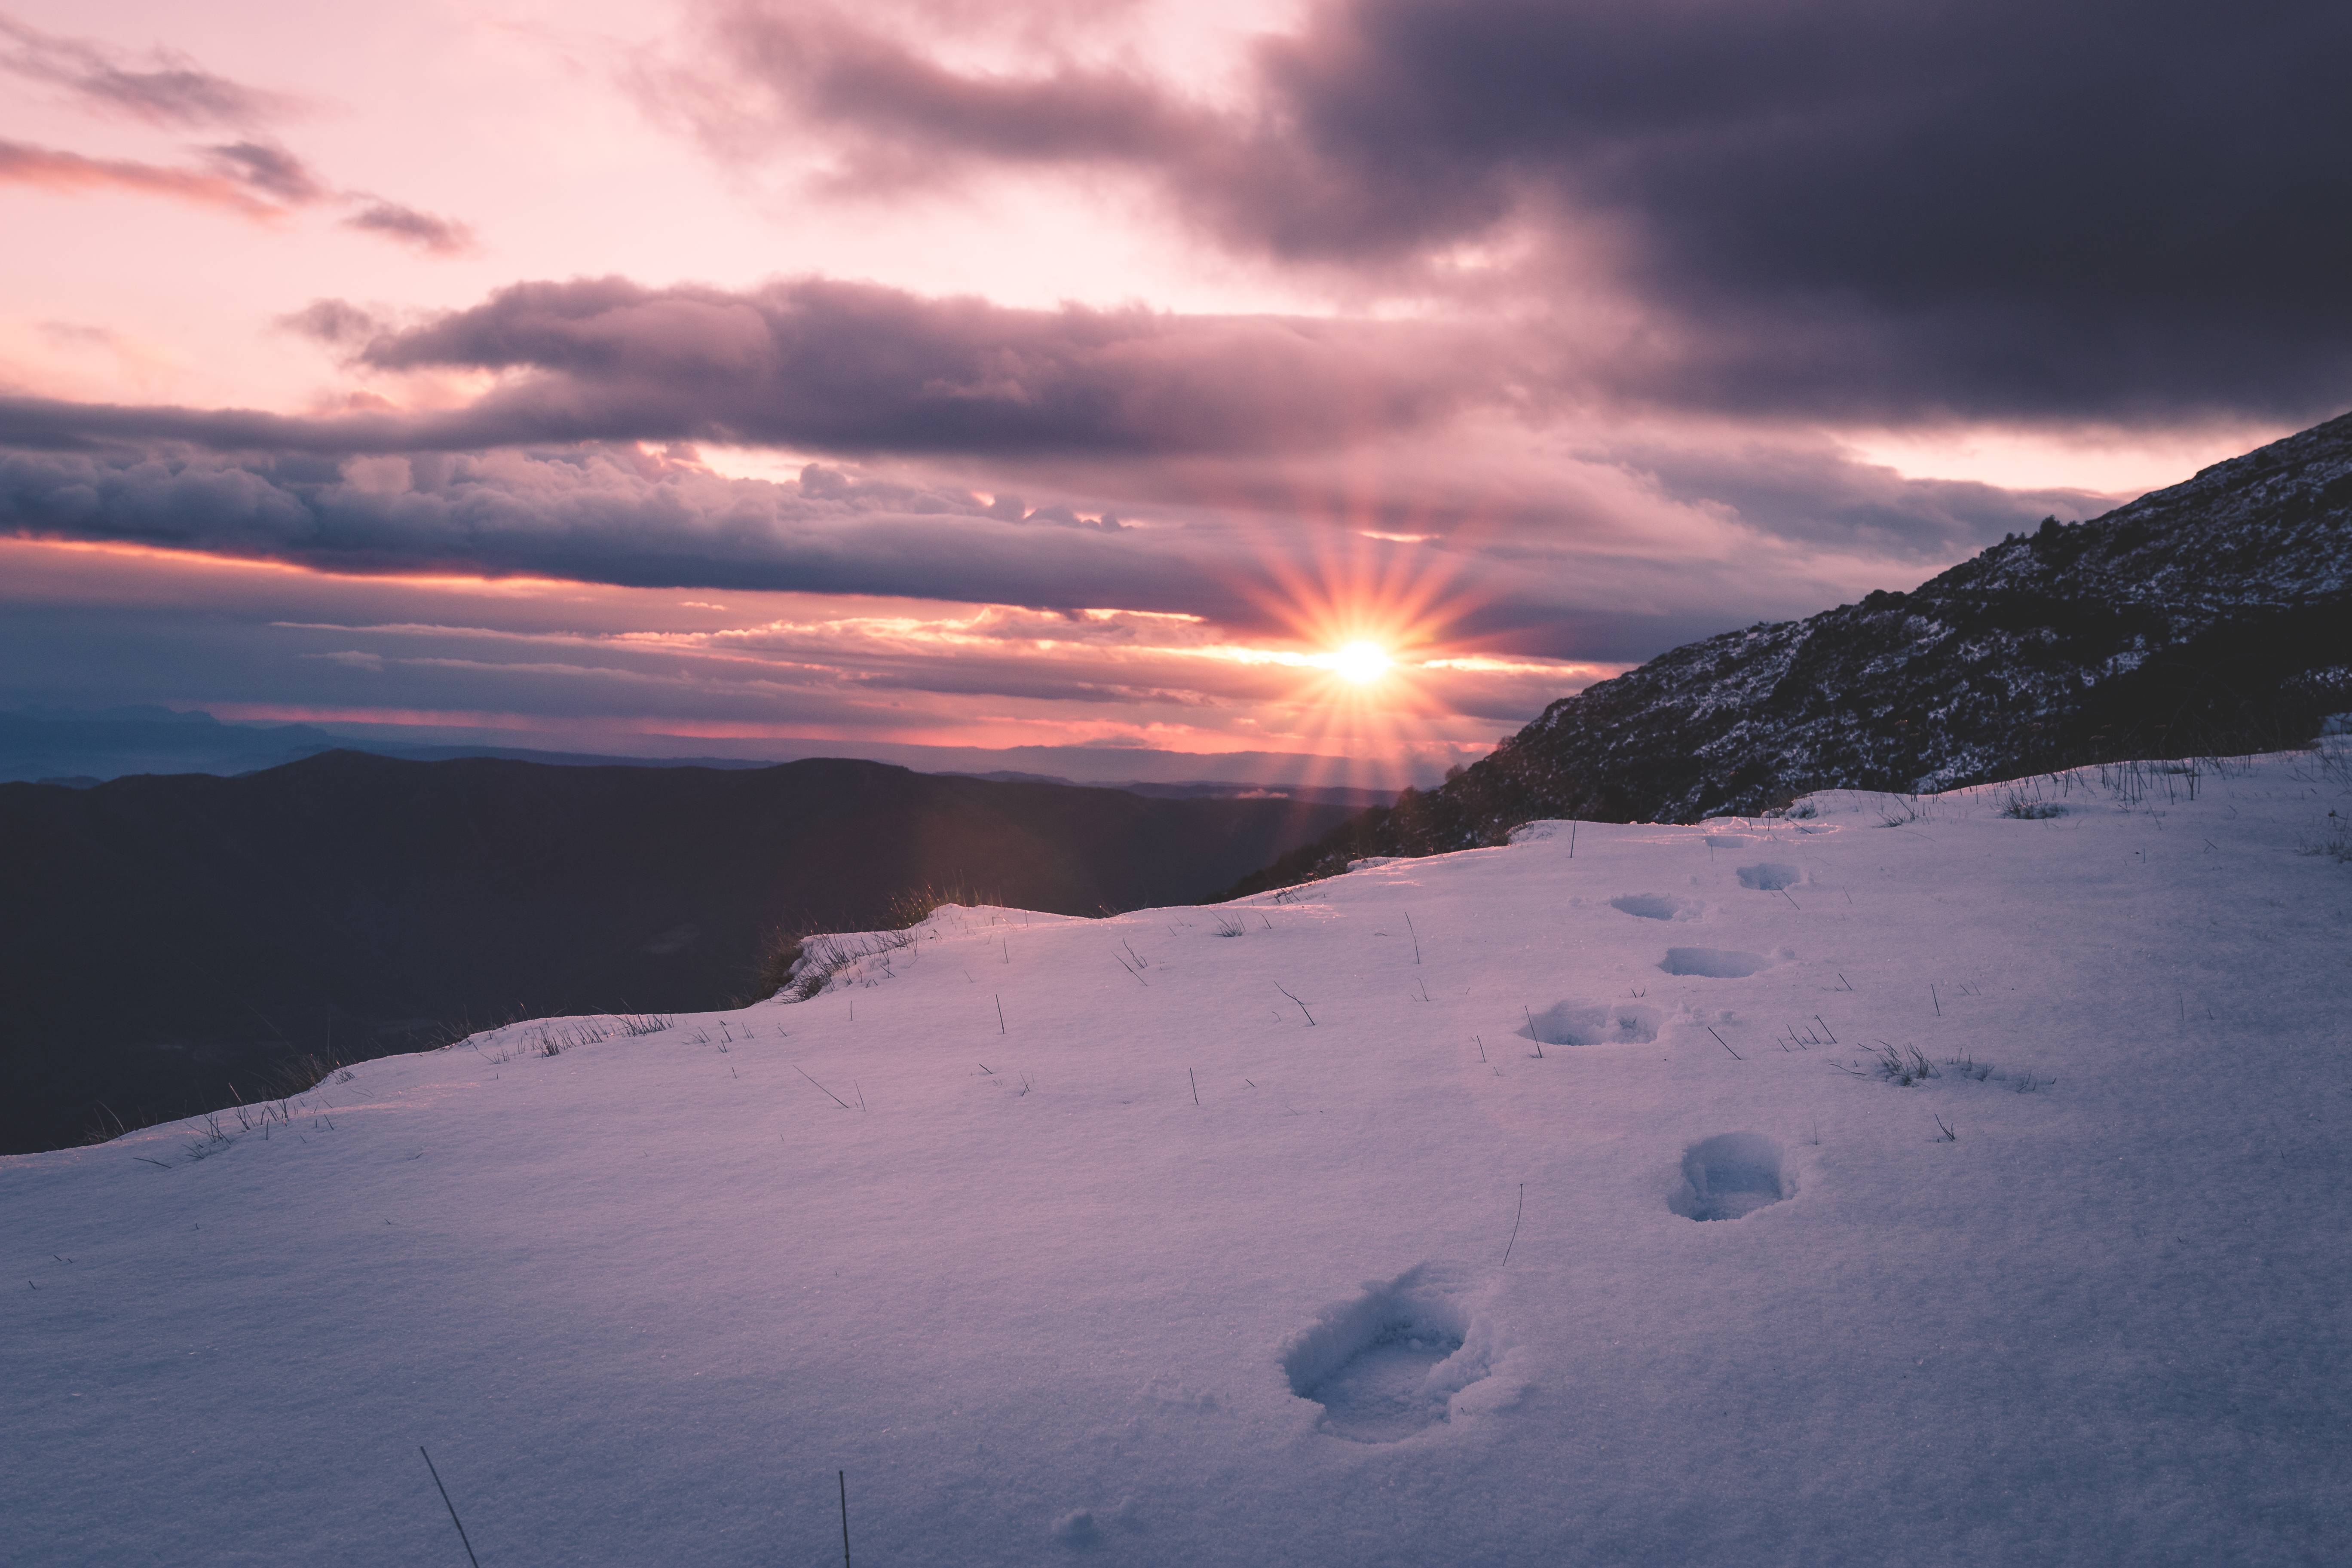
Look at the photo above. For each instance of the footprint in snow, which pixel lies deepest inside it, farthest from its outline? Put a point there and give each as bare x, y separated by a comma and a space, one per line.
1081, 1528
1594, 1024
1714, 963
1731, 1175
1769, 876
1390, 1362
1657, 907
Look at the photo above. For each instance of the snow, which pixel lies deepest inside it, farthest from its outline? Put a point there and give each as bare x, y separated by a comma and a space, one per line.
2081, 1296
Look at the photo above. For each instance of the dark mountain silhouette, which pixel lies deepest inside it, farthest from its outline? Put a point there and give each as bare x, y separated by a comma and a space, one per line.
171, 942
84, 747
2211, 618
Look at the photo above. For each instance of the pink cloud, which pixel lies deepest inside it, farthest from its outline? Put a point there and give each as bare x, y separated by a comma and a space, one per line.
47, 168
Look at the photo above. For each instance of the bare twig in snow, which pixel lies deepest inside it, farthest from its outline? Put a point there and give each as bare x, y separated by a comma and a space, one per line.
451, 1507
829, 1093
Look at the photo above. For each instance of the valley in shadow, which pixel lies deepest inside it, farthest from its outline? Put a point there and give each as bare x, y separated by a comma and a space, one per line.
177, 943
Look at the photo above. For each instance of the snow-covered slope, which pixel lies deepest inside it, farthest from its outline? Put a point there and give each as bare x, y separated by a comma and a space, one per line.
2080, 1296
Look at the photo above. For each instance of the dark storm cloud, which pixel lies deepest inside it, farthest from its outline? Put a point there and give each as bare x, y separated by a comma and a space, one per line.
48, 423
617, 517
854, 366
2006, 207
1993, 207
848, 367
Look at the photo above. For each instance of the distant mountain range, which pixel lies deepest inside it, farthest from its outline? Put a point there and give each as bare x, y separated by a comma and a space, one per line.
351, 905
2211, 618
78, 748
54, 746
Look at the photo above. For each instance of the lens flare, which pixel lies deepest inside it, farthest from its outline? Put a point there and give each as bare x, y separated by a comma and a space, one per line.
1375, 603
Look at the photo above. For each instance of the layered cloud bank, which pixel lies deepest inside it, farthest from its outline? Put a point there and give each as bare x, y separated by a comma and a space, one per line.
2004, 209
1544, 336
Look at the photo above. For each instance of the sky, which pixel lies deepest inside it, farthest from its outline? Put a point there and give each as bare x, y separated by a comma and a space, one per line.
1337, 380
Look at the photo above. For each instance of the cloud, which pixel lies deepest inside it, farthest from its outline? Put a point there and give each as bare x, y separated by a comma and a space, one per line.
1564, 559
851, 366
338, 324
848, 367
618, 517
437, 236
50, 169
2000, 209
254, 180
269, 169
167, 90
253, 177
1809, 491
909, 119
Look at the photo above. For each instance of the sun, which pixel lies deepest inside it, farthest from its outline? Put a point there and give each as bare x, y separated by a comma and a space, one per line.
1361, 662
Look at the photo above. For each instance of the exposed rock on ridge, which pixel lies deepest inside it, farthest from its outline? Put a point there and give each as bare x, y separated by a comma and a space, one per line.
2212, 616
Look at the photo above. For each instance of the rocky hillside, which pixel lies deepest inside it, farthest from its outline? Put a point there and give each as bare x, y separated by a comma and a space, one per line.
2212, 616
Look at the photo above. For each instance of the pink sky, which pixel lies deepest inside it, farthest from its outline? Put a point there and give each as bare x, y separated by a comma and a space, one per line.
1499, 416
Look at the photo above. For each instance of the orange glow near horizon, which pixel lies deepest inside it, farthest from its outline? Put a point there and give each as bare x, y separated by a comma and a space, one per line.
225, 560
1352, 659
